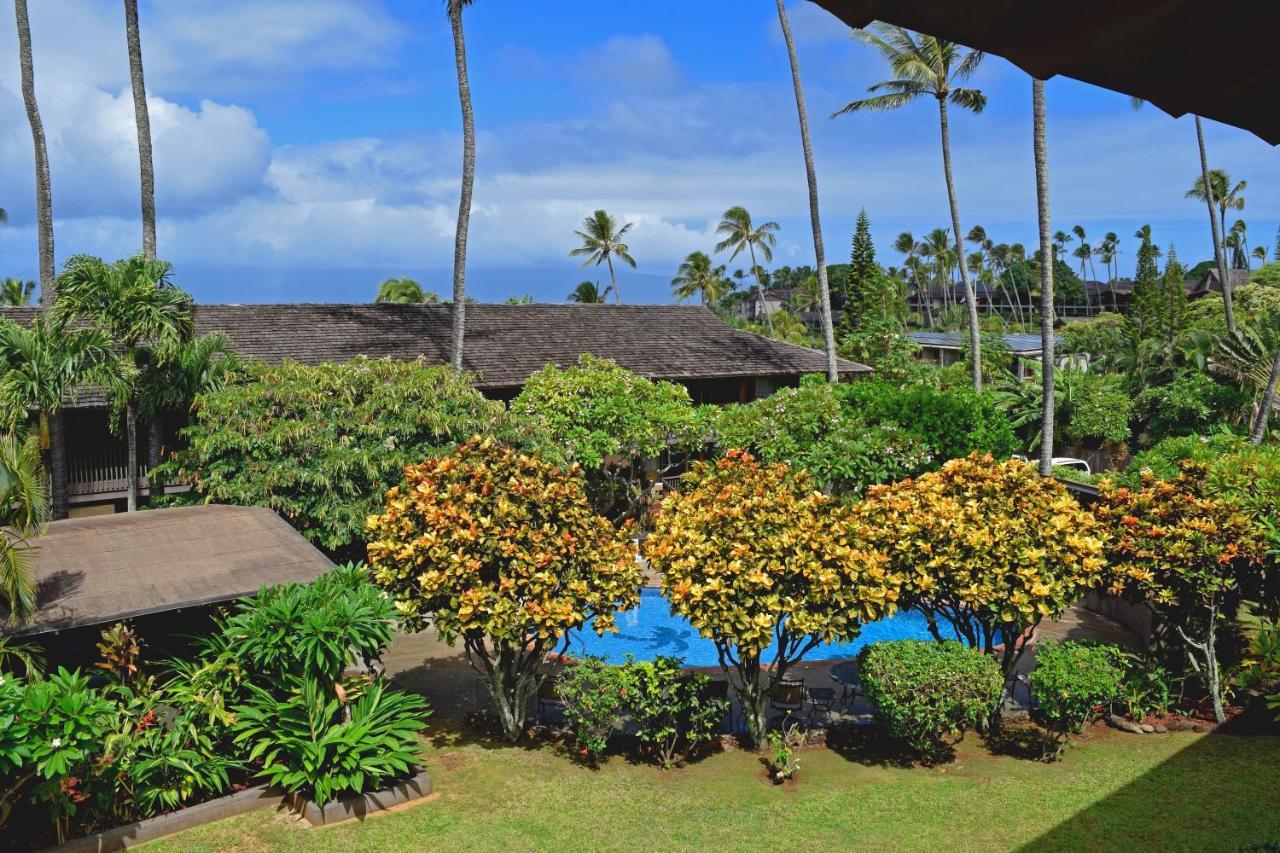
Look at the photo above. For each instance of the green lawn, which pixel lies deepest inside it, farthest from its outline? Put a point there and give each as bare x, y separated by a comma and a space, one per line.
1111, 791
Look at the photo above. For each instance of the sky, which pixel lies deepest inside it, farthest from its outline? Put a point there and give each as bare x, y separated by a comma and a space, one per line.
307, 149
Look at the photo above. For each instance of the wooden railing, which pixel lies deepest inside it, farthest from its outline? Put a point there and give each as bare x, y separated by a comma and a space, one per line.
101, 471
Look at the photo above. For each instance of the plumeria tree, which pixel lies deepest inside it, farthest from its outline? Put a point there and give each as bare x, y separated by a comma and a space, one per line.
502, 551
1188, 554
767, 568
987, 550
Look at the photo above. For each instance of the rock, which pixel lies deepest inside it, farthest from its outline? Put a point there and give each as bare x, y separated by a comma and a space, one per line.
1199, 729
1182, 726
1124, 725
1146, 727
1160, 728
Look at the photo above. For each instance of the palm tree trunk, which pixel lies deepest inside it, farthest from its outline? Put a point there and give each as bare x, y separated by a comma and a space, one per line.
142, 118
1268, 403
58, 486
44, 188
155, 443
975, 337
1046, 277
755, 271
819, 251
1218, 252
613, 281
468, 181
131, 455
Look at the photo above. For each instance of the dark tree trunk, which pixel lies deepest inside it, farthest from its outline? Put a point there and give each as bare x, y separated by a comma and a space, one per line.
1219, 256
1259, 431
58, 485
44, 188
142, 118
131, 456
155, 445
819, 251
468, 182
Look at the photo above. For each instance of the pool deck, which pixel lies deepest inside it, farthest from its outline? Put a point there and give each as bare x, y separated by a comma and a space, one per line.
440, 673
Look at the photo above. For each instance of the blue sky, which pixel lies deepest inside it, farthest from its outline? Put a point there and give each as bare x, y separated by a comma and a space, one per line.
306, 149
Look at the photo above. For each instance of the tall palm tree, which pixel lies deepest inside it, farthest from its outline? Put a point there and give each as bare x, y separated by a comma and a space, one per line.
1214, 188
1225, 195
1108, 252
697, 276
404, 291
906, 245
44, 188
42, 366
458, 311
1259, 430
22, 510
142, 118
15, 292
601, 243
134, 303
928, 66
938, 246
1259, 253
589, 293
1240, 256
815, 221
741, 233
1041, 155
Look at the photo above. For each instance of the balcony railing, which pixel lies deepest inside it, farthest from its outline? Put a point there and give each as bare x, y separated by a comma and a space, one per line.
101, 472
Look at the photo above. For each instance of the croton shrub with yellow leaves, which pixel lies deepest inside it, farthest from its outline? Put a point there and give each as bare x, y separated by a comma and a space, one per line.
1188, 554
503, 551
766, 567
986, 549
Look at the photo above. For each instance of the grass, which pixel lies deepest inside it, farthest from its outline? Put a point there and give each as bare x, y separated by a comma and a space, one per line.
1111, 791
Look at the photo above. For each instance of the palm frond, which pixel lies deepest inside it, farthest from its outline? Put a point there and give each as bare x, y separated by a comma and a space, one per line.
970, 99
879, 103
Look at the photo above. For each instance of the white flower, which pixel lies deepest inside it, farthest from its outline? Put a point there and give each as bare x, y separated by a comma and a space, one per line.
56, 742
1, 681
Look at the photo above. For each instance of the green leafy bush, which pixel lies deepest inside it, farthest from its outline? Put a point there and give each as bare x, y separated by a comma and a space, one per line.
783, 757
927, 692
322, 444
1071, 684
594, 695
671, 709
951, 423
1191, 404
1096, 337
313, 740
1146, 687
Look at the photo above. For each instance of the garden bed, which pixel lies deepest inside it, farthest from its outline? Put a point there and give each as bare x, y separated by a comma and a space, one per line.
358, 806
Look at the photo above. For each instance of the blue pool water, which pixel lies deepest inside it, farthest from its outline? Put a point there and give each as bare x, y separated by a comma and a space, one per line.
651, 629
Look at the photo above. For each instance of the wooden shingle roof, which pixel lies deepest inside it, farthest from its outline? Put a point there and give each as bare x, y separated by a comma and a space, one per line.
101, 569
506, 344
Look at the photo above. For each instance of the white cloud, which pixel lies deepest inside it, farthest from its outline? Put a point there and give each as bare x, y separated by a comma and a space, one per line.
630, 64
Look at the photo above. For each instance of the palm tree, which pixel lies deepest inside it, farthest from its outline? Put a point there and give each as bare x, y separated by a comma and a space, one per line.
458, 311
807, 296
133, 302
938, 246
1041, 156
1259, 430
22, 510
142, 118
1240, 245
44, 188
1214, 188
15, 292
740, 233
404, 291
815, 222
697, 277
1259, 254
43, 365
929, 66
1225, 195
906, 245
601, 243
174, 381
589, 293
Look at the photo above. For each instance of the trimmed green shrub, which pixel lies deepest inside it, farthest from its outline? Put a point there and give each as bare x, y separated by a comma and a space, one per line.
927, 692
951, 423
1071, 685
1188, 405
594, 695
671, 709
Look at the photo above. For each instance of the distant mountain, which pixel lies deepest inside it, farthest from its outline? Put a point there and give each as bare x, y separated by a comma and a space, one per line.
249, 285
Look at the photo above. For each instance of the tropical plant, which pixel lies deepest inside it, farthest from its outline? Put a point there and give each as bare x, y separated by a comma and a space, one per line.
589, 293
625, 431
318, 741
697, 277
928, 693
133, 302
952, 423
22, 509
783, 759
601, 243
953, 534
458, 309
15, 292
405, 291
760, 562
45, 364
44, 191
740, 233
1069, 685
928, 66
1186, 552
671, 709
142, 119
594, 697
321, 444
815, 219
503, 551
28, 656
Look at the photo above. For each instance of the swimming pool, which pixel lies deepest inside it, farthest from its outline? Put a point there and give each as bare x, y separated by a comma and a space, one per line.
651, 629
